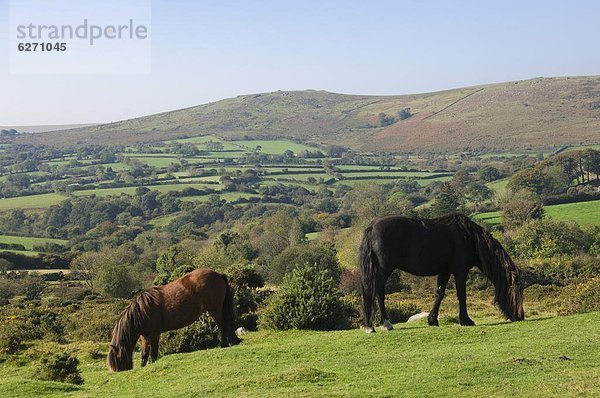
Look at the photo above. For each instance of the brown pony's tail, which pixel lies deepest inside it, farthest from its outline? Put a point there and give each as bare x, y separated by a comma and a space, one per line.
229, 315
368, 276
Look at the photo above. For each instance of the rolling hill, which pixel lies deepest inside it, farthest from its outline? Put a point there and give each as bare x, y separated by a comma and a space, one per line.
539, 113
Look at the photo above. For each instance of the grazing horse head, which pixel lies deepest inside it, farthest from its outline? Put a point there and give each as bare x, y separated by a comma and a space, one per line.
128, 330
119, 358
500, 269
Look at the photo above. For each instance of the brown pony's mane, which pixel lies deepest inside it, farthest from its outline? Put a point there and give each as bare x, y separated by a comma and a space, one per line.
129, 327
496, 265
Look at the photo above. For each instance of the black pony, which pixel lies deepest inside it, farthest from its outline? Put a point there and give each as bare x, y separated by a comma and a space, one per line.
449, 245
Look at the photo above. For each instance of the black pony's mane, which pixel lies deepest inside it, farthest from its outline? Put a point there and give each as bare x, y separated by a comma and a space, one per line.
494, 262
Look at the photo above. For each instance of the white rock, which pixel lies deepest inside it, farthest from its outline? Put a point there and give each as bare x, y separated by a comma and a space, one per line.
418, 316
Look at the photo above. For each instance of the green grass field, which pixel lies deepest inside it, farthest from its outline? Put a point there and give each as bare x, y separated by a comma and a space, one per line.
29, 242
42, 201
498, 186
131, 190
553, 357
583, 213
274, 147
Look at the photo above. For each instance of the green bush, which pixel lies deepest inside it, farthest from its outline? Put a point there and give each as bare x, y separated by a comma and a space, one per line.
93, 321
200, 335
245, 282
307, 299
61, 367
11, 340
116, 280
587, 296
548, 238
320, 253
400, 312
7, 291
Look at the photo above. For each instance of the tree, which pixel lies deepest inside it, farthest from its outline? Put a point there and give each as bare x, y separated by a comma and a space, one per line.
488, 174
521, 207
404, 114
445, 202
369, 201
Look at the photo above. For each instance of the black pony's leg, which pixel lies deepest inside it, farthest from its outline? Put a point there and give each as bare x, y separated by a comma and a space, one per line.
440, 292
461, 294
154, 341
385, 320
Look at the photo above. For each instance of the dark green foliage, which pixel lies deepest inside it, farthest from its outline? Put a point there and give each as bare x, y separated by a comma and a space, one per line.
32, 287
200, 335
11, 339
181, 271
548, 238
62, 367
445, 203
520, 208
7, 290
245, 282
93, 321
116, 281
385, 120
323, 255
400, 312
308, 298
587, 296
404, 114
489, 174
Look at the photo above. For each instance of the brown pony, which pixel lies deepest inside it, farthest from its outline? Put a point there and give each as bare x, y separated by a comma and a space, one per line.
169, 307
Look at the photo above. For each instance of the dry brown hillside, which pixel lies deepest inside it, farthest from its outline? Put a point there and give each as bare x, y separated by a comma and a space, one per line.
537, 113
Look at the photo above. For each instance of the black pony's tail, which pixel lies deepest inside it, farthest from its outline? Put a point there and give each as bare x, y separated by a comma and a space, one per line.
229, 315
368, 276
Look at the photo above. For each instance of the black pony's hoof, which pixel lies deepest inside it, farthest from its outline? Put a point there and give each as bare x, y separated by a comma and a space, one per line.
432, 321
467, 322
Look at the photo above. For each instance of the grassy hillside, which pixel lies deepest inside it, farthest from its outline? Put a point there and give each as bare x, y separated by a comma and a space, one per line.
537, 113
542, 357
583, 213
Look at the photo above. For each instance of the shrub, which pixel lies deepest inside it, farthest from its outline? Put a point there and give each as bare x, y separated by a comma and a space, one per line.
115, 280
32, 287
94, 321
321, 254
11, 340
548, 238
400, 312
61, 367
7, 291
307, 299
245, 282
587, 296
520, 208
200, 335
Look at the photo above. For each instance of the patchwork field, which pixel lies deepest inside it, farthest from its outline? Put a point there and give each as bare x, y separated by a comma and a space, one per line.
583, 213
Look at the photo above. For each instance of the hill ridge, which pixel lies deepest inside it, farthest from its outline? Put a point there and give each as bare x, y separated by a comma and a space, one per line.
535, 113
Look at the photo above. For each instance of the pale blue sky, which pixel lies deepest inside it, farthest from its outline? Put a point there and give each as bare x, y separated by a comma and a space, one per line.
208, 50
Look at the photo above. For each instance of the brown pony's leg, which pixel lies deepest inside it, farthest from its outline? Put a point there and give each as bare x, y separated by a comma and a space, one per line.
145, 345
217, 315
154, 340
